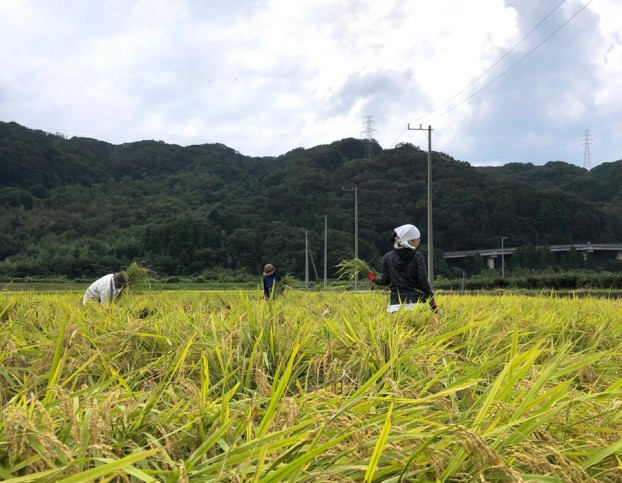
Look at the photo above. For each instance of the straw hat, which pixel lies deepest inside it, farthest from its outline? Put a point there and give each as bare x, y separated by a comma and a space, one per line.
268, 269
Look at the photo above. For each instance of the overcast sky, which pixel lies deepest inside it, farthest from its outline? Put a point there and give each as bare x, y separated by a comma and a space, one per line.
498, 80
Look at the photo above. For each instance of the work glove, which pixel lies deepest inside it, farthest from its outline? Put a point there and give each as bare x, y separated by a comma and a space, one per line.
371, 277
434, 306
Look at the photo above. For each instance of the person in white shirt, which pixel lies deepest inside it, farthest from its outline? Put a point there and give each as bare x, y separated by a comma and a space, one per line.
106, 289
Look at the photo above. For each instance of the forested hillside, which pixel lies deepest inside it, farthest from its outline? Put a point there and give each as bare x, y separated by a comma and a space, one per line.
80, 207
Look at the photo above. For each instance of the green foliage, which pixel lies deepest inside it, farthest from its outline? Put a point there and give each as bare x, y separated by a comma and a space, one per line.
535, 280
80, 207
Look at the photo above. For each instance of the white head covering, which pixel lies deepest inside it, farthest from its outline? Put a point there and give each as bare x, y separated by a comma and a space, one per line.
405, 233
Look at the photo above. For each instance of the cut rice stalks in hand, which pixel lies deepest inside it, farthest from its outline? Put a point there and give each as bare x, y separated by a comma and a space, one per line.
138, 276
282, 284
349, 268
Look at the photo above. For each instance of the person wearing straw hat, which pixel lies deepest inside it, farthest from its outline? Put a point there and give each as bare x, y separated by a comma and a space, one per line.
271, 278
106, 288
404, 271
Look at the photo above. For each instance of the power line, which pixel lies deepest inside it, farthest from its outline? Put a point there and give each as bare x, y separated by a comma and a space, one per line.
515, 63
398, 137
493, 65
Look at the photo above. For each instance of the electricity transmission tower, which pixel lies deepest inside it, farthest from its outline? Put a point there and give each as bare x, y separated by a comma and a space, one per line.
587, 140
368, 131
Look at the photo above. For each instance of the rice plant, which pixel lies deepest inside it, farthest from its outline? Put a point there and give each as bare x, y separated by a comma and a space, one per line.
221, 386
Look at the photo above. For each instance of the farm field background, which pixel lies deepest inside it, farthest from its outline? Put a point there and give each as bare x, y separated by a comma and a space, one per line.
223, 386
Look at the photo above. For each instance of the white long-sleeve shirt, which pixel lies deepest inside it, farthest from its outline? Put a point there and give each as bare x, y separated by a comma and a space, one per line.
102, 290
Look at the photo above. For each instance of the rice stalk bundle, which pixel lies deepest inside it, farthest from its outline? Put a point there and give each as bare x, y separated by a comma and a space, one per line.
138, 275
279, 287
350, 268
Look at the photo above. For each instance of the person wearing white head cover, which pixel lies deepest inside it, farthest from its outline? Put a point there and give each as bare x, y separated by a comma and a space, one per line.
106, 289
404, 272
404, 234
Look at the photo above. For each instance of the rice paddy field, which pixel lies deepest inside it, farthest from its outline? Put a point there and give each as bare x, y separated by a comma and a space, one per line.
201, 386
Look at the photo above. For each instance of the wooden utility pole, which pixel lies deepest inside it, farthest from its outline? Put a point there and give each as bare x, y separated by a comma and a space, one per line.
356, 229
430, 245
325, 250
306, 259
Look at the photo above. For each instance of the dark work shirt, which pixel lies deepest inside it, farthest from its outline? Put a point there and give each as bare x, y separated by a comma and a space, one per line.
404, 271
269, 282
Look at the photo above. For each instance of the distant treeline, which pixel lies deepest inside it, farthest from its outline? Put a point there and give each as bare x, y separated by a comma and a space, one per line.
80, 207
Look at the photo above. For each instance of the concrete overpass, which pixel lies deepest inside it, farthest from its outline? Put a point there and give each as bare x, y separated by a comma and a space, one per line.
490, 254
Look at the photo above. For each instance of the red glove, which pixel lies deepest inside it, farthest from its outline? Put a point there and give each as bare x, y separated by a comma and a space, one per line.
371, 277
433, 306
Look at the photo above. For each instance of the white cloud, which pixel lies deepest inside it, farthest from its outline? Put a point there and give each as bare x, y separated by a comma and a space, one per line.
266, 76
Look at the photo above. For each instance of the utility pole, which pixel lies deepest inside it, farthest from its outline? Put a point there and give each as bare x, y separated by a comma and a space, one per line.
369, 152
306, 259
356, 229
325, 251
502, 258
430, 245
311, 257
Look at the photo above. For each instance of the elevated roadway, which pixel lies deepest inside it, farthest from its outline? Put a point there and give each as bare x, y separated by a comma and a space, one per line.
490, 254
